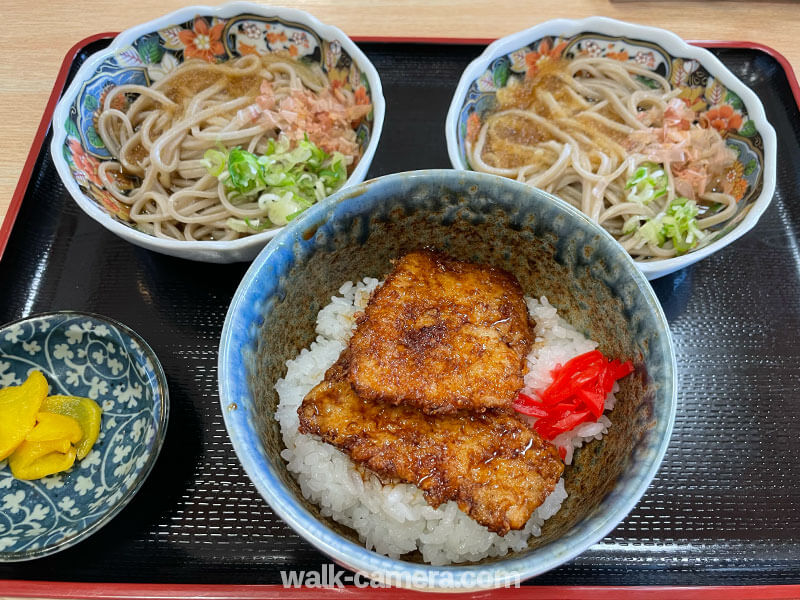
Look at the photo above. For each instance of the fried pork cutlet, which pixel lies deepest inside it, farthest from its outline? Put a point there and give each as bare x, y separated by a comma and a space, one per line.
496, 468
442, 335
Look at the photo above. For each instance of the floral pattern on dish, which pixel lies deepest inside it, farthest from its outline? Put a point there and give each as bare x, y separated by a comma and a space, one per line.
82, 355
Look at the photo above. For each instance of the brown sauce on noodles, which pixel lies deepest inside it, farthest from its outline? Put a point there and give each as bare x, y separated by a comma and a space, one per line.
547, 93
184, 86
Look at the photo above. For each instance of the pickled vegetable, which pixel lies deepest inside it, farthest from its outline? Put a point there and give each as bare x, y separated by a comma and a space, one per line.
33, 460
18, 408
51, 426
85, 411
41, 435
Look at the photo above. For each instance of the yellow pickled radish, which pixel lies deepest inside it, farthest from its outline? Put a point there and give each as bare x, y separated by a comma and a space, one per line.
18, 408
33, 460
83, 410
53, 426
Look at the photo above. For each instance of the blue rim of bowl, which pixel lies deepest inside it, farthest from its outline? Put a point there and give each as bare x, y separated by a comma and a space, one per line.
144, 472
281, 499
225, 11
672, 45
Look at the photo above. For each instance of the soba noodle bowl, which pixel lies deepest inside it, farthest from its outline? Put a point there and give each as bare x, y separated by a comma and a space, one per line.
612, 139
162, 141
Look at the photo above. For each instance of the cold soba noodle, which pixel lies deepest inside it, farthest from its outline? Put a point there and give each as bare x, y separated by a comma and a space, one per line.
632, 157
190, 149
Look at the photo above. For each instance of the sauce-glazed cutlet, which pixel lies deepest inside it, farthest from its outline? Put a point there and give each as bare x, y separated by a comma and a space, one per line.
442, 335
496, 468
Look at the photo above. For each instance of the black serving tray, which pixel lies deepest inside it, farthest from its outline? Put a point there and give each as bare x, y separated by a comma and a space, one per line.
724, 509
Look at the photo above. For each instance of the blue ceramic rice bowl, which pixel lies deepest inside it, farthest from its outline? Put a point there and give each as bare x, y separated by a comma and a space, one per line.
551, 248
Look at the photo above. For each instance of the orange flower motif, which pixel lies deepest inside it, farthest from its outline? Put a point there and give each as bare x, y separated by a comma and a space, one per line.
473, 127
532, 58
739, 188
274, 38
247, 49
202, 42
724, 118
361, 95
85, 164
119, 101
293, 51
735, 171
338, 77
621, 56
735, 181
111, 204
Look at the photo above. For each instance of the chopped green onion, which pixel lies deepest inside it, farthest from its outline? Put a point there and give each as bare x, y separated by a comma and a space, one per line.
215, 161
632, 224
652, 232
238, 225
249, 225
678, 223
279, 207
259, 224
284, 181
647, 183
246, 174
681, 224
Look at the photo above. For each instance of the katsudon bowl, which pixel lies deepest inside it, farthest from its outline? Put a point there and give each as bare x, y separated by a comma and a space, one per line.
552, 249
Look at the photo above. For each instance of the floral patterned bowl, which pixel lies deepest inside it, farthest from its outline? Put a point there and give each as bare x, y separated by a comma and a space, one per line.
706, 85
147, 52
82, 354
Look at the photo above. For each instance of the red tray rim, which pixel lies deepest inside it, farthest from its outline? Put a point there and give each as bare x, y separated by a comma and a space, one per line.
130, 591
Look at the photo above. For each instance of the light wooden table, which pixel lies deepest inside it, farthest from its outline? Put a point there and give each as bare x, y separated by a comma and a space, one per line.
36, 35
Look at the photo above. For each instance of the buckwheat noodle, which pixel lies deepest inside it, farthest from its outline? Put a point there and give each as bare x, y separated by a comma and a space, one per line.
158, 143
566, 134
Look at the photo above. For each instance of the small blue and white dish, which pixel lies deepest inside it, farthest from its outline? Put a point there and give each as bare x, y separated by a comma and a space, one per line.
552, 249
82, 354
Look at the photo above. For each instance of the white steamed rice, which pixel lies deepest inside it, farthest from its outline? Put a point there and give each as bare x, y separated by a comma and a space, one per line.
395, 519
